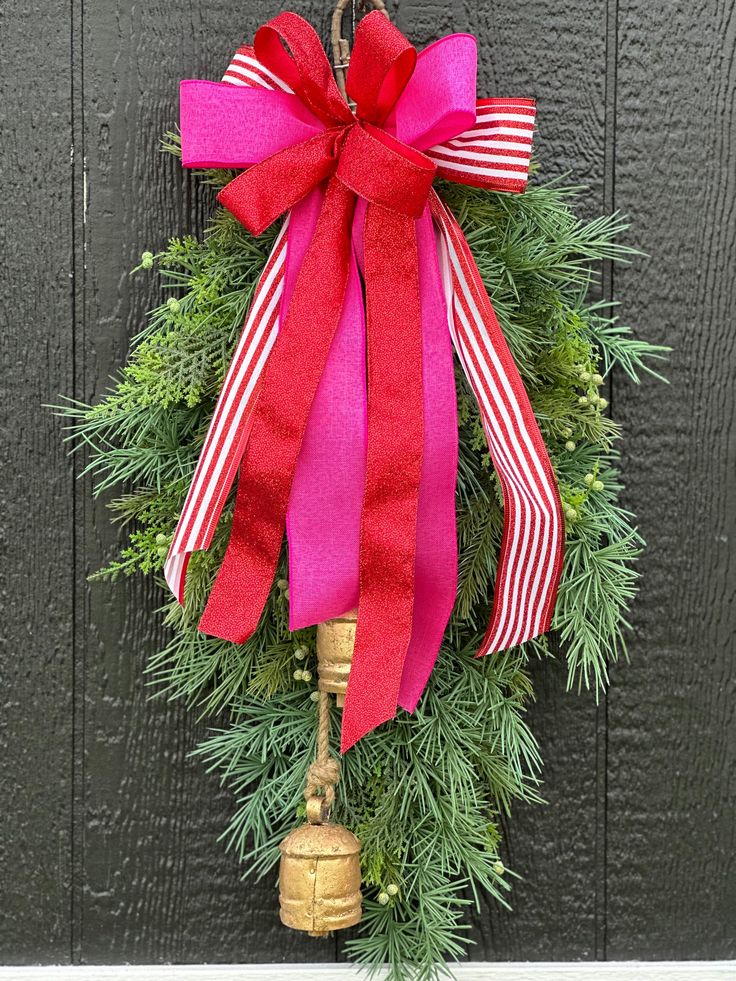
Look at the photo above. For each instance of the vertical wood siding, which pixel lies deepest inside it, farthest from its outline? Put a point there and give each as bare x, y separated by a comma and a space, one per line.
108, 849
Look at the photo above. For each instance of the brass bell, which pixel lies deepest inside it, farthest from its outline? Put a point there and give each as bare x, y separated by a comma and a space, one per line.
335, 645
319, 879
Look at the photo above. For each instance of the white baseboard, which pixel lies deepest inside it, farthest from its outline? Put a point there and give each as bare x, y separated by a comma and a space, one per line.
501, 971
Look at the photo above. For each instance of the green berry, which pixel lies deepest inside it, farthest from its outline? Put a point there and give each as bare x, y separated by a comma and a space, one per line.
589, 478
314, 696
499, 868
602, 403
161, 539
598, 485
173, 304
147, 260
571, 514
567, 432
585, 376
583, 400
383, 898
298, 674
597, 379
569, 445
300, 653
393, 889
283, 584
306, 675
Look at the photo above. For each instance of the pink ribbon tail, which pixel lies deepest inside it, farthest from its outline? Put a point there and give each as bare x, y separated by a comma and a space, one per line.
435, 583
323, 519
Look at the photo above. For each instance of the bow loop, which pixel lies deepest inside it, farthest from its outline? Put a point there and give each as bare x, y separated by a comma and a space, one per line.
304, 66
438, 102
259, 195
381, 65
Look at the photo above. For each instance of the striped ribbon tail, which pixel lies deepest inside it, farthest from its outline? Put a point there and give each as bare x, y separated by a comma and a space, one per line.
530, 562
229, 428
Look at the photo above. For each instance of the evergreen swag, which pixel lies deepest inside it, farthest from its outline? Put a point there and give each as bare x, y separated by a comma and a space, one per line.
424, 793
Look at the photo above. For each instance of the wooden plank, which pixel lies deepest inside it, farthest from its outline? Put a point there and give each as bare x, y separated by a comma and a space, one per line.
156, 884
672, 729
36, 352
558, 55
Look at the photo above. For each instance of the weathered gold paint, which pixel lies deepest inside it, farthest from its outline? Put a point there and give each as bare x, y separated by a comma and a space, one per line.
319, 879
335, 645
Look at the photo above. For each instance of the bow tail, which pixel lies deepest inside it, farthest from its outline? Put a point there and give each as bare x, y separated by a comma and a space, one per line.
323, 519
289, 383
436, 559
394, 467
229, 429
530, 563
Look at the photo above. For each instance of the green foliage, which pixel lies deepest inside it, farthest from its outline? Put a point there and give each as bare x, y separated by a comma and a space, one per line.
424, 791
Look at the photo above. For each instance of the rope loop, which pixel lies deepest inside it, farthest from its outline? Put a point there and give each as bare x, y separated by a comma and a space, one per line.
324, 772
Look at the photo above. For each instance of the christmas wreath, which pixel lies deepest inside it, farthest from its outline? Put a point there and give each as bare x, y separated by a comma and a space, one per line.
422, 792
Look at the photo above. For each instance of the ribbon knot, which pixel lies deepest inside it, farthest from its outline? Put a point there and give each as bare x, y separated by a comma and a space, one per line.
384, 171
339, 406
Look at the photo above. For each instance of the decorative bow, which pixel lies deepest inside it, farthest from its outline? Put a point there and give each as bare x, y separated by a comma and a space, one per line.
362, 472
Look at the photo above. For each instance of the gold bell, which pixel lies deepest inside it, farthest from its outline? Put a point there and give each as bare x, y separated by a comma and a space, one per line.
335, 645
319, 875
319, 879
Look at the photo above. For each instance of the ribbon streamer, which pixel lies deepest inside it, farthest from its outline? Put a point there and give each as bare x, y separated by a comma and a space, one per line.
361, 470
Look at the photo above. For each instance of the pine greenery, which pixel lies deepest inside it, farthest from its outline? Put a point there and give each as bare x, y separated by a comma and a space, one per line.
424, 792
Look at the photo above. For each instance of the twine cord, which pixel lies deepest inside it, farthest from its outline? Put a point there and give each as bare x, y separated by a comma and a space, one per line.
340, 46
324, 773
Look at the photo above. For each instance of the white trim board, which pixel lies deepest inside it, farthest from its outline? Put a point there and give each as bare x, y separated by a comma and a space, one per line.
500, 971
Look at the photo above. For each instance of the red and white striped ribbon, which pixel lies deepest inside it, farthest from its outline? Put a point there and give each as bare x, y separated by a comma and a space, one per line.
245, 69
230, 426
531, 555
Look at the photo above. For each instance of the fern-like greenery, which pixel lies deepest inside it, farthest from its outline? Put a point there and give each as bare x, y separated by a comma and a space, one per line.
423, 792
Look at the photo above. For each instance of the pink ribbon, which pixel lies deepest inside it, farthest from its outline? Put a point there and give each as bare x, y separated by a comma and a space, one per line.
323, 524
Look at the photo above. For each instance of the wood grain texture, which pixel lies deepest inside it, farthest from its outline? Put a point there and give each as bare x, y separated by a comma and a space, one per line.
36, 353
156, 884
672, 727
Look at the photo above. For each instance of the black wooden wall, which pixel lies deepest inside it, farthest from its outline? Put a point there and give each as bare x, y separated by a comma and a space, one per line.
108, 848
